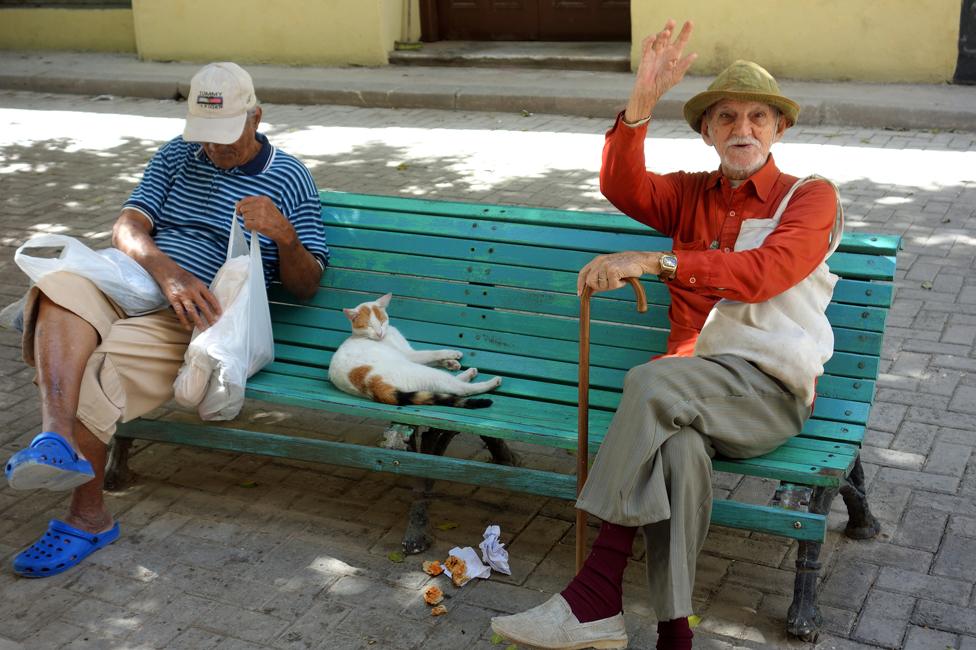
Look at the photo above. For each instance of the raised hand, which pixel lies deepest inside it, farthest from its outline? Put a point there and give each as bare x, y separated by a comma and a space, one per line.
661, 68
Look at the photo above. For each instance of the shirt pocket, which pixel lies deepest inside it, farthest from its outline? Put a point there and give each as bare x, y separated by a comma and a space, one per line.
689, 245
753, 233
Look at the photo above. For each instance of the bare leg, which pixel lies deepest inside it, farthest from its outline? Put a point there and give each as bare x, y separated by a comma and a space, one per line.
88, 511
63, 343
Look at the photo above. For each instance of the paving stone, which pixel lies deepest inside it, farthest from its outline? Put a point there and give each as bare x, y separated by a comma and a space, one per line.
955, 559
948, 459
315, 626
921, 638
169, 621
921, 585
247, 625
943, 616
919, 480
965, 526
921, 528
847, 585
884, 618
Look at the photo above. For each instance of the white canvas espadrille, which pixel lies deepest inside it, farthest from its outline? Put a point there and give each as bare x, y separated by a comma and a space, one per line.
553, 626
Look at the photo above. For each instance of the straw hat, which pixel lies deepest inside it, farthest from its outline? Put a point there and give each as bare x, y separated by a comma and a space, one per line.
745, 81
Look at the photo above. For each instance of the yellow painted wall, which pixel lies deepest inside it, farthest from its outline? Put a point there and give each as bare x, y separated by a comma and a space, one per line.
92, 30
867, 40
310, 32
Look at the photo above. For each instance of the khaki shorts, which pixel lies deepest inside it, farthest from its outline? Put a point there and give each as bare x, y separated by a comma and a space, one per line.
131, 372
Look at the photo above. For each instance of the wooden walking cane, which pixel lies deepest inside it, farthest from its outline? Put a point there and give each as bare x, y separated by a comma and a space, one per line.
583, 423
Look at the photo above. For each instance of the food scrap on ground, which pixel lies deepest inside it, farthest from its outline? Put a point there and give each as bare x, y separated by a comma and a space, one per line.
433, 595
458, 570
440, 610
433, 568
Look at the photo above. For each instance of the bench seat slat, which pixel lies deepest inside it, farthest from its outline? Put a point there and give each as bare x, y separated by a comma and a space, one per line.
510, 416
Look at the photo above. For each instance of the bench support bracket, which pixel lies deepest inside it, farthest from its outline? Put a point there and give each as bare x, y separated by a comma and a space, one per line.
117, 472
416, 538
861, 524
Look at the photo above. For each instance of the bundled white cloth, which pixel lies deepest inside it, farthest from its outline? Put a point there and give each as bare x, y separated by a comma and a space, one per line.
219, 360
787, 336
116, 274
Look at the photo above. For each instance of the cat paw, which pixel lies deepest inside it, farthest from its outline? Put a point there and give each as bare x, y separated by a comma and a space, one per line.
496, 382
468, 374
449, 359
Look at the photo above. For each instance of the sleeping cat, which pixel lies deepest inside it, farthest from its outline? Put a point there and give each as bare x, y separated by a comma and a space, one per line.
378, 363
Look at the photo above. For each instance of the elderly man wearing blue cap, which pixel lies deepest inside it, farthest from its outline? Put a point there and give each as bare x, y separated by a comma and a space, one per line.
95, 365
749, 336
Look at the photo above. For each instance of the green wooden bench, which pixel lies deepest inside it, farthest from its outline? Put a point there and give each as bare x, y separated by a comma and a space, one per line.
499, 283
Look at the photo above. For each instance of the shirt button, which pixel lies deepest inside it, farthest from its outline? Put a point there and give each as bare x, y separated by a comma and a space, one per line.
692, 280
731, 213
726, 249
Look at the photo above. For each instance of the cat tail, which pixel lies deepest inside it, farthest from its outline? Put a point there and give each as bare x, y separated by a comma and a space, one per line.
441, 399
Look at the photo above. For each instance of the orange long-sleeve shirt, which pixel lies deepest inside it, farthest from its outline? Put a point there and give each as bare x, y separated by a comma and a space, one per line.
703, 213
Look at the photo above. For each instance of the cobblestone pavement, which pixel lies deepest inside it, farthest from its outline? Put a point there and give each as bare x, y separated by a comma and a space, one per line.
235, 551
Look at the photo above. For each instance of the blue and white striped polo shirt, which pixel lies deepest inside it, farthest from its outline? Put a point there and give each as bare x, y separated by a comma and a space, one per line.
190, 202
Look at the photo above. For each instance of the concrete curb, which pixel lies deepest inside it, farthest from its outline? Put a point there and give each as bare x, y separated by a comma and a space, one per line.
568, 92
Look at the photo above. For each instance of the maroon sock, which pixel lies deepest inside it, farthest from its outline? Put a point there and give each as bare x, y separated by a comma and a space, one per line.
597, 590
674, 635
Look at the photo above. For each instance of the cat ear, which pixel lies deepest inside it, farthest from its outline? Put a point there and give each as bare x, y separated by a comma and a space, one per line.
350, 313
383, 301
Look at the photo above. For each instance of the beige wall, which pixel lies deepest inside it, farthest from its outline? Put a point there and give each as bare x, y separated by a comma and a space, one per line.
316, 32
94, 30
868, 40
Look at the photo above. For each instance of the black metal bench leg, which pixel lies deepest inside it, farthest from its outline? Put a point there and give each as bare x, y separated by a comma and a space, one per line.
117, 472
501, 454
416, 538
804, 620
861, 524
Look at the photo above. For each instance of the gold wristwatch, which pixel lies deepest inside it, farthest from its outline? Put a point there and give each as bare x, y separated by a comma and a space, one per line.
669, 266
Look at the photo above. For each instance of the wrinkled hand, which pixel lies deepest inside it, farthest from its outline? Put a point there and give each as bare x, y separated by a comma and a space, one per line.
609, 272
661, 66
261, 215
190, 298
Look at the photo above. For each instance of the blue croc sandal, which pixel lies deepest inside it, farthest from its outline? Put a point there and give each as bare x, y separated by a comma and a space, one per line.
60, 548
50, 463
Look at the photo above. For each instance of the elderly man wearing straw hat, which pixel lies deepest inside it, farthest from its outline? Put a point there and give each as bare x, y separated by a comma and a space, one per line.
748, 338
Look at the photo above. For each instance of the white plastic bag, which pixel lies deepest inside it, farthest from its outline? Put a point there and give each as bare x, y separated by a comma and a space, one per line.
219, 359
120, 277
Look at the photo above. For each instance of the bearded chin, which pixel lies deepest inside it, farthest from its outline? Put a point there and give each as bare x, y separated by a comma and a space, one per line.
741, 172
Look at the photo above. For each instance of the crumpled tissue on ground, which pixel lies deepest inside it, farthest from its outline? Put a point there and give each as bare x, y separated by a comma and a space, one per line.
493, 551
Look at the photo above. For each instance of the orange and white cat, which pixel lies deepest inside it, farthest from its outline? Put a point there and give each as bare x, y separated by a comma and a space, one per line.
377, 362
